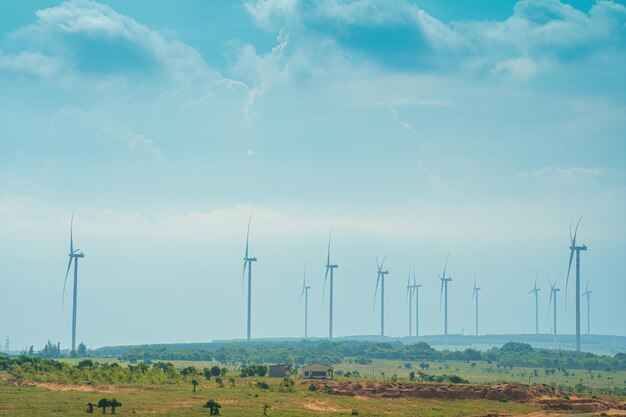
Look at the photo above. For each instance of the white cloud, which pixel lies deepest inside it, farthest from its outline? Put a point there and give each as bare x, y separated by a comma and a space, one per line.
88, 20
517, 68
259, 71
70, 118
568, 174
537, 30
33, 63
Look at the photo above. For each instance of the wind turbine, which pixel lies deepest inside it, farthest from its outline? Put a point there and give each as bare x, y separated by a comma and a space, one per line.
553, 291
416, 287
587, 293
305, 294
74, 255
330, 268
411, 290
381, 280
536, 291
247, 264
444, 289
475, 293
573, 248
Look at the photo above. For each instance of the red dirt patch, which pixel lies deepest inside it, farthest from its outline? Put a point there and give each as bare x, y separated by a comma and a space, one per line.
548, 398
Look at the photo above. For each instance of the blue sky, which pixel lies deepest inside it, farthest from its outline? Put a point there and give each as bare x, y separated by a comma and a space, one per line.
412, 128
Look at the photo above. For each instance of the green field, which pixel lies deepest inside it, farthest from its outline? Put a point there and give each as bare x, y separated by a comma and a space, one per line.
244, 398
484, 373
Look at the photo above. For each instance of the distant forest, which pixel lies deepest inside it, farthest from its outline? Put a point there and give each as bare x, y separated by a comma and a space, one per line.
511, 354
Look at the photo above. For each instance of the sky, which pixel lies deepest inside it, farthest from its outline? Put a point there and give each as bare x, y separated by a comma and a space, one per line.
410, 128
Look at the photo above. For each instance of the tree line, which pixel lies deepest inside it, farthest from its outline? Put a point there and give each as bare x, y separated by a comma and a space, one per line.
514, 354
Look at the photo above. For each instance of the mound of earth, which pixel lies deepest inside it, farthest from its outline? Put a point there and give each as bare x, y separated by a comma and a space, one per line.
546, 397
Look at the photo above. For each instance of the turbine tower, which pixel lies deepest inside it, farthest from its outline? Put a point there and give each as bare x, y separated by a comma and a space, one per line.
536, 290
573, 248
475, 293
381, 280
330, 268
416, 287
247, 264
444, 291
411, 290
74, 255
553, 291
305, 294
587, 293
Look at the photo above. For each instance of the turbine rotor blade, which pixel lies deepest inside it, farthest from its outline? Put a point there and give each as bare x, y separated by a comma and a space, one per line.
576, 231
324, 288
301, 295
243, 274
383, 262
376, 291
69, 265
248, 235
445, 266
441, 293
72, 233
328, 253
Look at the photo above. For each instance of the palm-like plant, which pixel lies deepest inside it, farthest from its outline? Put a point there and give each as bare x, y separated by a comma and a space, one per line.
103, 403
114, 404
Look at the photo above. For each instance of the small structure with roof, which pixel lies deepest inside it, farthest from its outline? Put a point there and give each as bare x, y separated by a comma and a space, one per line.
316, 371
282, 370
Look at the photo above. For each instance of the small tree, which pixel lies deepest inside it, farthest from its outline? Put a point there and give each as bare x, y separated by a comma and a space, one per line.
219, 382
261, 370
114, 404
82, 350
214, 408
103, 403
195, 384
216, 371
232, 381
265, 408
90, 407
412, 376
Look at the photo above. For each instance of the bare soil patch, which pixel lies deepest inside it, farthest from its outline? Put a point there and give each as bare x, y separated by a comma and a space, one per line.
322, 406
86, 388
549, 399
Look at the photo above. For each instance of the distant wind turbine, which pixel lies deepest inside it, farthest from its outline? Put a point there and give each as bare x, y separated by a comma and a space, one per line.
475, 291
305, 294
587, 293
413, 290
553, 292
444, 291
330, 268
573, 248
74, 255
247, 264
381, 280
536, 291
416, 287
410, 290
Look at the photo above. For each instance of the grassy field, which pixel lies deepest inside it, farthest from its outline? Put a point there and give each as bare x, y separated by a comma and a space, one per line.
244, 398
484, 373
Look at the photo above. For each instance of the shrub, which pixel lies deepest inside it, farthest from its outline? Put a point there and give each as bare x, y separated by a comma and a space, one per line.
262, 385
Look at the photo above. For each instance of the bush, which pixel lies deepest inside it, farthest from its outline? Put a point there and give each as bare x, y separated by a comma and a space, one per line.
262, 385
313, 387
